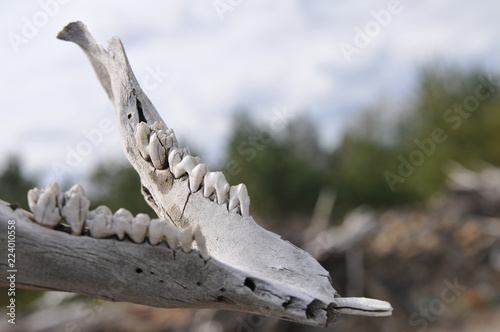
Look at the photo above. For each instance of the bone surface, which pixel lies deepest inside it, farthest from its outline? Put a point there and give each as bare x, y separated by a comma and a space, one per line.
267, 270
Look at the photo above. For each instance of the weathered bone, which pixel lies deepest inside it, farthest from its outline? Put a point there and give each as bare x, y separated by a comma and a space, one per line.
258, 271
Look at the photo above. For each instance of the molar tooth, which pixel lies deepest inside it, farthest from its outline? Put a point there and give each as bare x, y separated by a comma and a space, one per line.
239, 195
139, 227
184, 166
186, 238
158, 126
216, 181
100, 222
156, 227
196, 176
174, 158
201, 243
43, 204
121, 222
171, 134
141, 134
172, 235
165, 140
74, 207
157, 152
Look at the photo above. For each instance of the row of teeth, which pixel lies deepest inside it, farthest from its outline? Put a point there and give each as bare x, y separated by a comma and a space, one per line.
50, 207
158, 145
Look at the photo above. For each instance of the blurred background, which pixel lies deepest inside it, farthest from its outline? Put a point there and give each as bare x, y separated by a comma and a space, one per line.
366, 133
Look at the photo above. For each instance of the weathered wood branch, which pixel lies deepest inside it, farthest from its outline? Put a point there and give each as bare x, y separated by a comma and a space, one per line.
250, 269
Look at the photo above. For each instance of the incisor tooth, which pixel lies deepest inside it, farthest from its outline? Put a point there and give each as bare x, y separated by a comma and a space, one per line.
157, 152
139, 227
100, 222
239, 195
121, 222
141, 135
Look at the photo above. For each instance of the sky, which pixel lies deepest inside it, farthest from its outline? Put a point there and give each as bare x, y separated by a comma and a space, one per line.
199, 61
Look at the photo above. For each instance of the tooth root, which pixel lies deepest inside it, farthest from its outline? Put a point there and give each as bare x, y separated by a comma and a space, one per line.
121, 222
201, 243
196, 176
139, 227
157, 152
100, 222
141, 136
74, 207
156, 234
172, 235
43, 204
186, 239
239, 196
174, 158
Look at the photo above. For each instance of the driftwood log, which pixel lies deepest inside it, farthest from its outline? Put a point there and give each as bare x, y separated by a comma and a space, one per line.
236, 265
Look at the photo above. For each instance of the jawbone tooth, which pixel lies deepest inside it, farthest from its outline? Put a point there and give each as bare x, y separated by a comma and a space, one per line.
174, 158
186, 239
172, 235
43, 204
100, 222
171, 134
216, 181
141, 135
196, 176
239, 195
165, 140
155, 231
158, 126
74, 206
157, 152
201, 243
139, 228
121, 222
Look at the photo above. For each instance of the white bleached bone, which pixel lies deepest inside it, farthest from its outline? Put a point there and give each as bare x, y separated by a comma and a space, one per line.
74, 206
122, 219
201, 242
43, 204
141, 135
139, 227
100, 222
238, 195
157, 152
216, 181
